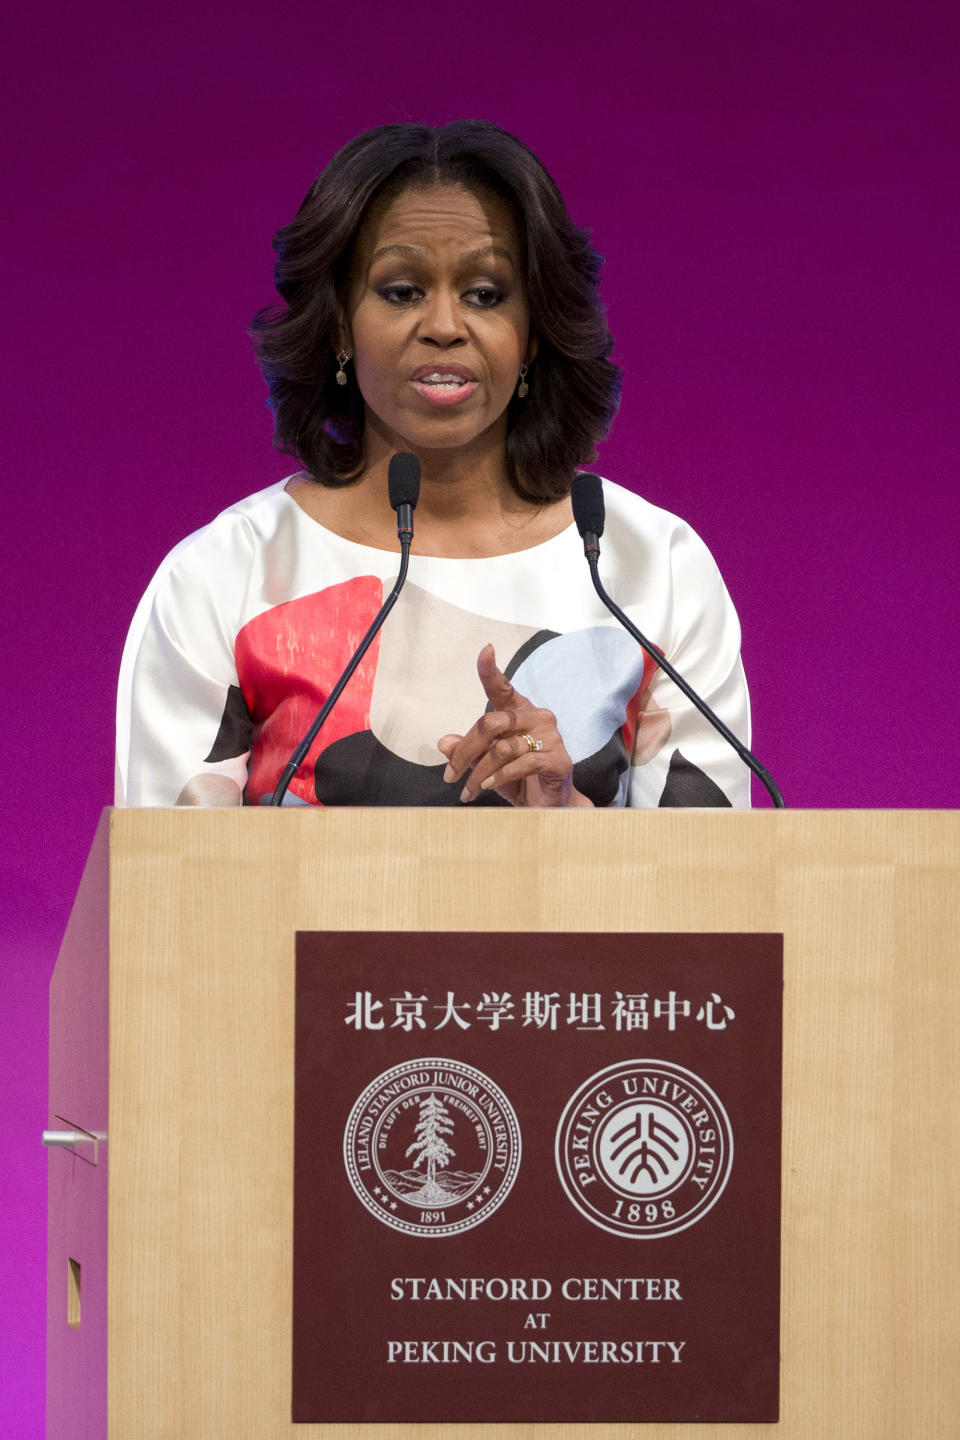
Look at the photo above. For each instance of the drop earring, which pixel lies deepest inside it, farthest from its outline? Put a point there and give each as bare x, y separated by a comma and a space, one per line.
342, 358
523, 388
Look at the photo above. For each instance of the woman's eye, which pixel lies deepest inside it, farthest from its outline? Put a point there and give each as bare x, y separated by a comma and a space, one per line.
400, 294
485, 297
481, 297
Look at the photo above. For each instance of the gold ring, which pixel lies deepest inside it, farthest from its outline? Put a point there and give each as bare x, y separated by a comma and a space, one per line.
531, 743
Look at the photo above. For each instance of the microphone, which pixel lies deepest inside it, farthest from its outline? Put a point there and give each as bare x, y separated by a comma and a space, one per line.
586, 494
403, 487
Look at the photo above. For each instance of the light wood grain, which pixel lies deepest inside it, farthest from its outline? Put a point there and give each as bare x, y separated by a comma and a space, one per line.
203, 910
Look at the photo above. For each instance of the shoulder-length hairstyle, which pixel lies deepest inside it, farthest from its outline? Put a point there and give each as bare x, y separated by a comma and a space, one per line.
574, 387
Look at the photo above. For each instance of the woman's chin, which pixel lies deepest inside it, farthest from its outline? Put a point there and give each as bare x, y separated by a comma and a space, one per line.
442, 433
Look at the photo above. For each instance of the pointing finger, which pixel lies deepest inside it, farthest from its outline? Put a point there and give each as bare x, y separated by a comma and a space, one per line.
499, 691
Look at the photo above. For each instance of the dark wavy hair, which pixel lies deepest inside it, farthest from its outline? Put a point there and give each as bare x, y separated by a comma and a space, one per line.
574, 387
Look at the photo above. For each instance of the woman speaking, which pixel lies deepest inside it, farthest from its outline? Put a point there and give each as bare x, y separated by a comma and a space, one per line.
437, 300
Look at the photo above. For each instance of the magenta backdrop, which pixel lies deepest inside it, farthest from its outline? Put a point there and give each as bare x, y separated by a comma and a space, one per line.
774, 185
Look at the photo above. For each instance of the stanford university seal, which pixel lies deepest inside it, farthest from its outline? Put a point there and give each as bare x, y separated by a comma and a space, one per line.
432, 1147
644, 1148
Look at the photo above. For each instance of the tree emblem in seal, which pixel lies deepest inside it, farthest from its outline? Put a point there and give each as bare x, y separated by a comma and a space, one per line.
432, 1147
644, 1148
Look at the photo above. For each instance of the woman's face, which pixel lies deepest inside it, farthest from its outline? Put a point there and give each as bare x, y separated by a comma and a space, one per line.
438, 318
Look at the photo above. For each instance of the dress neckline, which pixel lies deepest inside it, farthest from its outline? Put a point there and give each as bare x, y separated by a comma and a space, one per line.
507, 555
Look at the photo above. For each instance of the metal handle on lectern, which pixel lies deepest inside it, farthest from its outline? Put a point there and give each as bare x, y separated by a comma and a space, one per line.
66, 1138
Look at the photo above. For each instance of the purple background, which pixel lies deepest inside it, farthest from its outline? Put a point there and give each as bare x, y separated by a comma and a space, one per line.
774, 186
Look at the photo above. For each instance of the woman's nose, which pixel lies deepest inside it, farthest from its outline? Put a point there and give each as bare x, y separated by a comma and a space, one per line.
441, 319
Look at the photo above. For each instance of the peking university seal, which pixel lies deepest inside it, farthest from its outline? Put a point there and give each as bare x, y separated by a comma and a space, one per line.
432, 1147
644, 1149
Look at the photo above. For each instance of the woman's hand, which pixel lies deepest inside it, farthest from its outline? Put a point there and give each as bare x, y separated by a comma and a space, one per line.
514, 749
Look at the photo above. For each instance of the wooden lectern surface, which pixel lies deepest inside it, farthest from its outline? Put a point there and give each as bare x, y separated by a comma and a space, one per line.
203, 908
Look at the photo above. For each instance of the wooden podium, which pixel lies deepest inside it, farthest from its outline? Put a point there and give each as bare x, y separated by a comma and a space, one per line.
172, 1023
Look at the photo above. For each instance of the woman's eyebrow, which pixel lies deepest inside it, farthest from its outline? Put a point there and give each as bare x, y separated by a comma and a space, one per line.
417, 252
405, 252
481, 253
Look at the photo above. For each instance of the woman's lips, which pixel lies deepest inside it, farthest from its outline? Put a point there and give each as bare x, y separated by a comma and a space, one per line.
444, 386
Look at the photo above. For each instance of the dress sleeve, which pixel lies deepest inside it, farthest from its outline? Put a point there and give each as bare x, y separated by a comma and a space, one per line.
678, 758
183, 731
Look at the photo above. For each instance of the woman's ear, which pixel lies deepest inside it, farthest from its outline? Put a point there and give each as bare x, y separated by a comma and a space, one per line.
344, 337
531, 352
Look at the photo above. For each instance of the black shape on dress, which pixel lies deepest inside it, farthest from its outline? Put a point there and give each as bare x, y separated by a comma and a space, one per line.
687, 786
233, 737
359, 770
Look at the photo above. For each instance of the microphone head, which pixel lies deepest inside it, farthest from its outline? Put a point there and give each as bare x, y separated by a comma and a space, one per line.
586, 495
403, 480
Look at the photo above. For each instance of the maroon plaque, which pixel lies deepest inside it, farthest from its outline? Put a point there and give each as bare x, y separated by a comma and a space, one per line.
537, 1177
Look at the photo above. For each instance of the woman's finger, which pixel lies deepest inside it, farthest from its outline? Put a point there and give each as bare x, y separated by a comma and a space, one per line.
470, 748
497, 687
550, 776
511, 752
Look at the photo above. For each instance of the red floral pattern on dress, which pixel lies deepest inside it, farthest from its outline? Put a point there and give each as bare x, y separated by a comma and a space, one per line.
288, 660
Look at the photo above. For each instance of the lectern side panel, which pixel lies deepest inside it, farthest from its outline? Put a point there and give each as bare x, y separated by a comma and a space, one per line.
77, 1178
205, 907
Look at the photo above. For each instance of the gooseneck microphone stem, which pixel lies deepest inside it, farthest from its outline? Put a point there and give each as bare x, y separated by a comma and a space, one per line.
404, 486
592, 553
588, 509
303, 749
